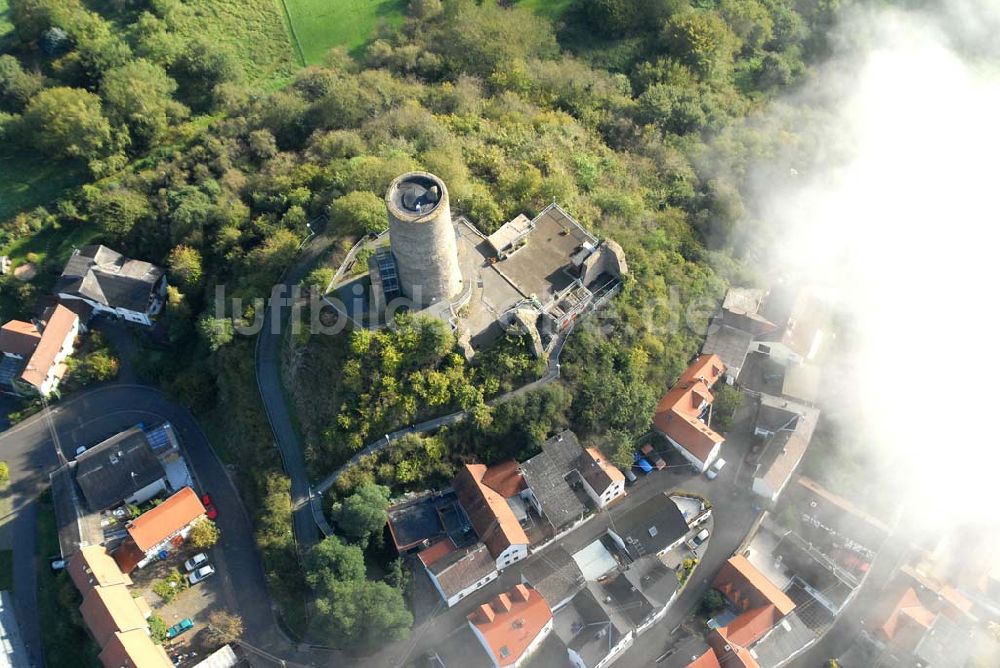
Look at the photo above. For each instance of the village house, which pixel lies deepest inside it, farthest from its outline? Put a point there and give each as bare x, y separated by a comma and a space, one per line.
756, 606
111, 283
34, 358
162, 529
512, 626
491, 516
121, 469
455, 572
682, 413
116, 619
786, 428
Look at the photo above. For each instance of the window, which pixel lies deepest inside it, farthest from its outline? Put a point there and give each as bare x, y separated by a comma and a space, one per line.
504, 651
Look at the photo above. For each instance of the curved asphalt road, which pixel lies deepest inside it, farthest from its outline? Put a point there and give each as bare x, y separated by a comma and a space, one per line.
94, 414
268, 369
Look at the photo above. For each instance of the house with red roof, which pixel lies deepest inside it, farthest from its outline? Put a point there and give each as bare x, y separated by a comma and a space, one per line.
512, 626
162, 529
34, 359
682, 412
491, 516
759, 606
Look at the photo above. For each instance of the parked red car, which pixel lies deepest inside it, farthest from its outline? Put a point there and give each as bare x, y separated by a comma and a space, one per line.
210, 511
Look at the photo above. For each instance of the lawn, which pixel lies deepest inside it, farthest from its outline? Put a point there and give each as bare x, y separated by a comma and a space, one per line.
29, 180
65, 641
550, 9
319, 25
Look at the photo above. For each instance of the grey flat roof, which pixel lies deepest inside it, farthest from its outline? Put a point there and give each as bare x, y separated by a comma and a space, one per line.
556, 576
729, 343
115, 469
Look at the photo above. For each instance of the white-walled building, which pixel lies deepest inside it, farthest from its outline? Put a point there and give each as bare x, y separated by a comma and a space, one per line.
114, 284
456, 573
33, 359
602, 480
512, 626
681, 413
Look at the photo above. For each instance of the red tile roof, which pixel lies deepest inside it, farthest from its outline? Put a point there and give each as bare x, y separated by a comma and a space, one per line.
505, 478
19, 338
677, 412
746, 587
750, 627
134, 649
156, 525
908, 609
706, 660
440, 549
730, 654
107, 610
511, 622
60, 324
489, 513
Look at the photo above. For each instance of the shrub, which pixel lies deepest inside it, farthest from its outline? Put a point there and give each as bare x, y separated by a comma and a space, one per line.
157, 629
204, 534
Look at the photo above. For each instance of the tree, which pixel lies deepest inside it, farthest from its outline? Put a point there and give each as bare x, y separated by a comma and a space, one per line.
727, 400
712, 601
67, 123
364, 512
331, 561
619, 448
4, 474
117, 210
16, 85
217, 332
185, 265
203, 66
319, 278
363, 613
360, 210
701, 40
138, 95
204, 534
224, 628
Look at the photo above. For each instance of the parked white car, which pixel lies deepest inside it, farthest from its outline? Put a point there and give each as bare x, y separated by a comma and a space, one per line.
197, 561
200, 574
698, 539
715, 469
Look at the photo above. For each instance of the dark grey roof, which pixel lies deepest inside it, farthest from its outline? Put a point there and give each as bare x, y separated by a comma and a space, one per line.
113, 470
629, 600
656, 582
108, 277
460, 569
774, 413
556, 575
729, 343
546, 473
683, 653
596, 633
650, 527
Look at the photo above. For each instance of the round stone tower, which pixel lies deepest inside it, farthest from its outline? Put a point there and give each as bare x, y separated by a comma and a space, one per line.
422, 238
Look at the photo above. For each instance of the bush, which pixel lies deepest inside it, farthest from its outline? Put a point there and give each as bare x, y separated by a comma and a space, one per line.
204, 534
169, 587
157, 629
224, 628
4, 474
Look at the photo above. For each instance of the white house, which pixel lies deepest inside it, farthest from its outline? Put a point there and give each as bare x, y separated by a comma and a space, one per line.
114, 284
602, 481
456, 573
34, 361
512, 626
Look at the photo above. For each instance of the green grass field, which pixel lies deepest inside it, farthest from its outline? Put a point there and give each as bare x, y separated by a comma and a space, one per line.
322, 24
29, 180
550, 9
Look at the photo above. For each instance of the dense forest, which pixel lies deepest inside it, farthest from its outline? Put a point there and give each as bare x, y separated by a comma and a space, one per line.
622, 111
